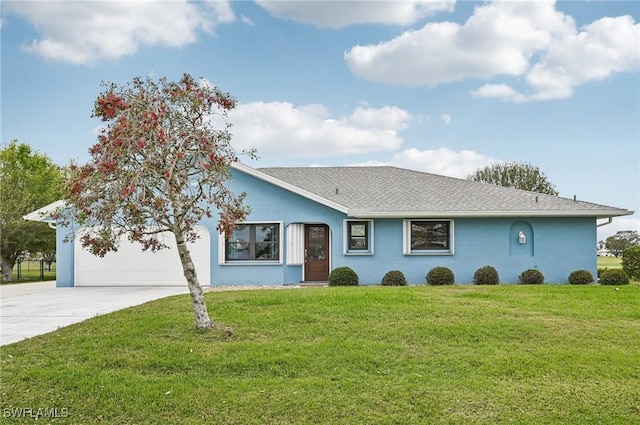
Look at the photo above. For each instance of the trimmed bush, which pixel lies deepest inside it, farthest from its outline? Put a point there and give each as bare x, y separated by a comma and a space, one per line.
531, 277
581, 277
394, 278
343, 276
440, 276
600, 271
614, 277
631, 262
486, 275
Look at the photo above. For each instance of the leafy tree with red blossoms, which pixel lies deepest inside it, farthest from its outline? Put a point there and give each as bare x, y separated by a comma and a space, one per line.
160, 165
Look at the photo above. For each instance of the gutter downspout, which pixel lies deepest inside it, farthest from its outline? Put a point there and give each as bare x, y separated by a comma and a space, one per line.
604, 224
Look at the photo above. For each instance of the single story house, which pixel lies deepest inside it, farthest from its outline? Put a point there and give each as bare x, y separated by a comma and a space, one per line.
308, 221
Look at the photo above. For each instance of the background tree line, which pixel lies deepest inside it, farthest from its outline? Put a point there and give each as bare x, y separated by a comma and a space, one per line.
28, 181
619, 242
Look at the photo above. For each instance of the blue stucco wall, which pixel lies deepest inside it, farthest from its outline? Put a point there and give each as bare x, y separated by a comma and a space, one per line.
270, 203
561, 245
64, 259
555, 246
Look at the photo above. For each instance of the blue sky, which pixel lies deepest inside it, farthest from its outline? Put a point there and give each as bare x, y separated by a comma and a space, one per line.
438, 86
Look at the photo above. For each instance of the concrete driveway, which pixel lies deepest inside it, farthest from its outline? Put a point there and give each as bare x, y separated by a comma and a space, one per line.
30, 309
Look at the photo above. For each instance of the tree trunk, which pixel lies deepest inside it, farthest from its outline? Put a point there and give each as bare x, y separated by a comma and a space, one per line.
7, 268
48, 258
197, 297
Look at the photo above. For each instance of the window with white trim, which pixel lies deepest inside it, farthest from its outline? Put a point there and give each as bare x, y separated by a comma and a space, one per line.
259, 242
358, 237
428, 237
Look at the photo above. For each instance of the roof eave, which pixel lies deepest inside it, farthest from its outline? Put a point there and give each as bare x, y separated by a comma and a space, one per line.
287, 186
42, 215
604, 213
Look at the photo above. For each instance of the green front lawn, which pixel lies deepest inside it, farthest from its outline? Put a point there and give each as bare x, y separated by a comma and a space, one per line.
538, 354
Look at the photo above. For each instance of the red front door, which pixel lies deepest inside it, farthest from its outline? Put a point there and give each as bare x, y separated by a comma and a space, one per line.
316, 252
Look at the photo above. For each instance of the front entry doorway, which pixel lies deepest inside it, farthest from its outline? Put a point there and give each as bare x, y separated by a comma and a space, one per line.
316, 252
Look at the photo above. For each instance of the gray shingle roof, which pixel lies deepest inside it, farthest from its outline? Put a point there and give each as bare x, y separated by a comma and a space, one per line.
397, 192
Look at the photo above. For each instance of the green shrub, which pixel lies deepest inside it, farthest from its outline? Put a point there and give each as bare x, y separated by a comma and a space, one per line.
600, 271
440, 276
343, 276
581, 277
486, 275
614, 277
531, 276
394, 278
631, 262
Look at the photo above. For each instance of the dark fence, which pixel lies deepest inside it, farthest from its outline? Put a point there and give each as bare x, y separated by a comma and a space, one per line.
34, 269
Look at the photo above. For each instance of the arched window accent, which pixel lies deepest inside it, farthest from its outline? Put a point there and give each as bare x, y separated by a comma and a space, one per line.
521, 240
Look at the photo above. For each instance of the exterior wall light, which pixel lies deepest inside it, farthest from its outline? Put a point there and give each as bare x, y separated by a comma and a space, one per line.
521, 237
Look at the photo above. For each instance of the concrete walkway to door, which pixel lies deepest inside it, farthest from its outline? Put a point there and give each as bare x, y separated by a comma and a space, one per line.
30, 309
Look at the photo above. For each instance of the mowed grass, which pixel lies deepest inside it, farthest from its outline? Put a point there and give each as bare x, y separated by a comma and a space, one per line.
516, 354
609, 262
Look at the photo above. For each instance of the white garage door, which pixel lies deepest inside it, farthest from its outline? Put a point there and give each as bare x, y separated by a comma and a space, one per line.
130, 266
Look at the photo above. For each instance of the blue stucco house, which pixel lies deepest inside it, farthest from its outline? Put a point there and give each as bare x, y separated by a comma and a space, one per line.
307, 221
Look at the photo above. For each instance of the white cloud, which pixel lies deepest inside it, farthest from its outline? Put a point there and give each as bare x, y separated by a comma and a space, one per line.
599, 50
372, 163
387, 117
338, 14
223, 13
247, 21
498, 39
442, 161
446, 119
529, 41
310, 131
501, 91
86, 32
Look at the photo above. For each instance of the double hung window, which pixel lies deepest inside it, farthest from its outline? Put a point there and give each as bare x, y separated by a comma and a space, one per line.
358, 237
